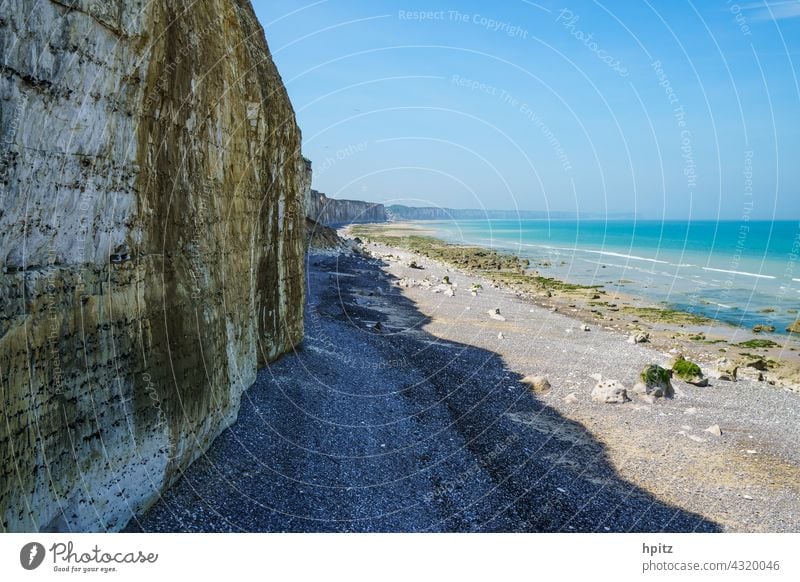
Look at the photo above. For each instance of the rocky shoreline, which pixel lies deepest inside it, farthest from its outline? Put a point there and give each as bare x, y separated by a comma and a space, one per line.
720, 349
424, 398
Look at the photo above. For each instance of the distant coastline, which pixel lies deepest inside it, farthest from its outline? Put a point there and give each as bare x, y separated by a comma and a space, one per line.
619, 302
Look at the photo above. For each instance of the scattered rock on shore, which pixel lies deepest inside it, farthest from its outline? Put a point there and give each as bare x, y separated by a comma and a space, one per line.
639, 337
689, 372
794, 327
763, 328
610, 392
714, 429
757, 363
538, 384
495, 314
655, 381
726, 370
571, 398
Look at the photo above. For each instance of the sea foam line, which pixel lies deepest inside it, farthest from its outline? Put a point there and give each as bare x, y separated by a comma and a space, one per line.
745, 273
608, 253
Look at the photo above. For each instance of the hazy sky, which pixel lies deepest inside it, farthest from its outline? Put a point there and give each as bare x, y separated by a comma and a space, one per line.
670, 109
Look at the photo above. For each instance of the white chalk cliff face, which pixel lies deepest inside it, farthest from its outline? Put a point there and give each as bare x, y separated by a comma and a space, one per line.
335, 211
151, 243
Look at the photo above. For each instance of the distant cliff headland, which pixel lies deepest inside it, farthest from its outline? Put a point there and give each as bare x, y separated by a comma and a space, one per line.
336, 212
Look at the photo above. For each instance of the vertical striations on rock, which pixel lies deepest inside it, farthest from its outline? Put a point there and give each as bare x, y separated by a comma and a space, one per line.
333, 211
151, 241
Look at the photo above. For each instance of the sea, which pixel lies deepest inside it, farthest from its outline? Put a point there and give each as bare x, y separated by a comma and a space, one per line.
741, 273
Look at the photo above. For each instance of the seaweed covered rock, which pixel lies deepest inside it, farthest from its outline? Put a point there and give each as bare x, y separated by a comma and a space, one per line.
689, 372
655, 381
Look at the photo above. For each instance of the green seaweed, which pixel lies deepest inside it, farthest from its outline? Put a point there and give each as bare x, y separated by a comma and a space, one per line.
757, 343
655, 375
500, 267
686, 370
666, 315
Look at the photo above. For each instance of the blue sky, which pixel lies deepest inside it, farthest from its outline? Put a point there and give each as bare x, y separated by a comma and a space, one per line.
667, 109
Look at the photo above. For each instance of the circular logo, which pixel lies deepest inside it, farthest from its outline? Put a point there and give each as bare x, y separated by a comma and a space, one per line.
31, 555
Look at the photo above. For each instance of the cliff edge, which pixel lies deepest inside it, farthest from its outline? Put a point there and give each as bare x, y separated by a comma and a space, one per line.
151, 242
337, 212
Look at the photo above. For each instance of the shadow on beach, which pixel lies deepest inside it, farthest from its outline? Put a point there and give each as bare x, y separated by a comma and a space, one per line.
374, 425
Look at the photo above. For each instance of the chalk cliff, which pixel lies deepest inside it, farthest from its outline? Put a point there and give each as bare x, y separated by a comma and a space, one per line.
151, 244
333, 211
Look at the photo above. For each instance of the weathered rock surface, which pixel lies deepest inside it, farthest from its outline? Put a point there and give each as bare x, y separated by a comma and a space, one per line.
322, 237
333, 211
538, 384
654, 381
727, 370
151, 239
688, 371
609, 392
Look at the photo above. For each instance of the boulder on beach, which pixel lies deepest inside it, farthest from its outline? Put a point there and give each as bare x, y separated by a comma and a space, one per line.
689, 372
610, 392
763, 328
755, 362
655, 381
495, 314
726, 370
639, 337
537, 383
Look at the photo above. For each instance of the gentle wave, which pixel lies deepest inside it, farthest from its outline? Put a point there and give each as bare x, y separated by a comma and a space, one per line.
744, 273
606, 253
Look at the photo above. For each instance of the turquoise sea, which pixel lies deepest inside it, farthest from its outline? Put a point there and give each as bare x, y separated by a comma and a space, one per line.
739, 272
